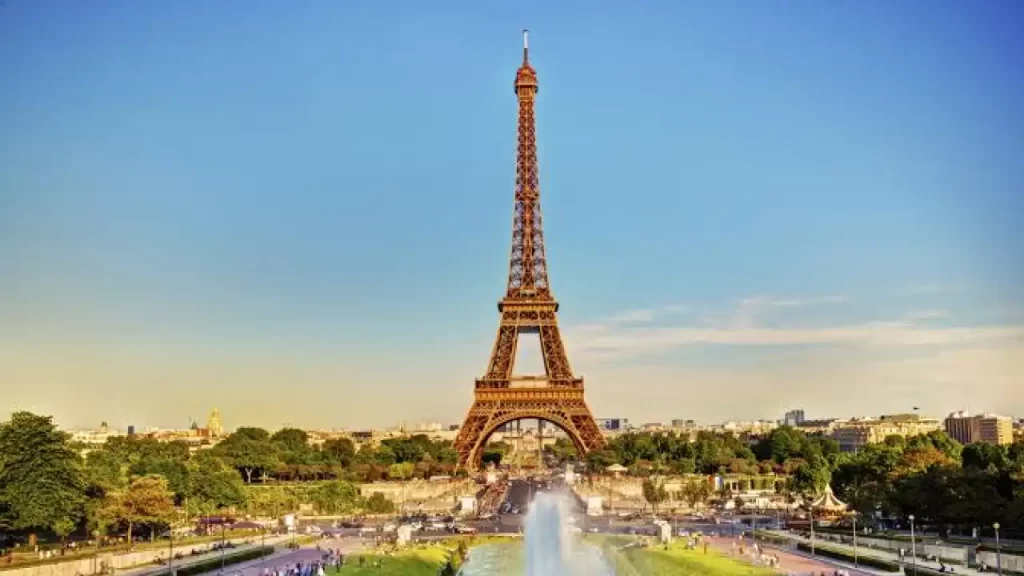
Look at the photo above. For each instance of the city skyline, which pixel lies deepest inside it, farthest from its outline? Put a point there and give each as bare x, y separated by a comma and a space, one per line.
812, 208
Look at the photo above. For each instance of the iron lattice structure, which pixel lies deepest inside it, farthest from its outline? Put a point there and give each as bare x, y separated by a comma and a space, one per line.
527, 308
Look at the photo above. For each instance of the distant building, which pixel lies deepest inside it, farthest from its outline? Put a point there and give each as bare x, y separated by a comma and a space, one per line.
854, 434
756, 427
92, 438
616, 424
131, 430
988, 428
214, 425
824, 426
681, 424
794, 417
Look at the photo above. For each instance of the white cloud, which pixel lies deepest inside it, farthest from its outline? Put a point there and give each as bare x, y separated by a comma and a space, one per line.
634, 334
749, 311
938, 380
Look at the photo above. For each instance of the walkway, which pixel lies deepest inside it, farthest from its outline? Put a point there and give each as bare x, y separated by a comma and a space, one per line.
790, 562
880, 554
286, 557
189, 560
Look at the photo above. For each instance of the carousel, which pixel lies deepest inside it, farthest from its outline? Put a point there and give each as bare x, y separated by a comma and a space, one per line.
827, 506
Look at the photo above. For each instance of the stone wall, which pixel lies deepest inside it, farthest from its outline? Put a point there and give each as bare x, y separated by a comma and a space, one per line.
120, 562
421, 493
1011, 562
945, 552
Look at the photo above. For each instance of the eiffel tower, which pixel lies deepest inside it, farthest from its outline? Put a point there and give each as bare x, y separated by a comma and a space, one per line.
527, 308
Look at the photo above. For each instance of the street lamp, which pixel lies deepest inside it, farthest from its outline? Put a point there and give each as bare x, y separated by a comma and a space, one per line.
222, 544
812, 528
170, 553
855, 540
913, 545
999, 559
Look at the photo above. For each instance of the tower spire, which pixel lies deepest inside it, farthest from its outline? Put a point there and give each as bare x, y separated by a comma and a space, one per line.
526, 46
528, 272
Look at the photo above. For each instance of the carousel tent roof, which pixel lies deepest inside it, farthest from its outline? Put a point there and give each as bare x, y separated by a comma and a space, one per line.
616, 468
828, 501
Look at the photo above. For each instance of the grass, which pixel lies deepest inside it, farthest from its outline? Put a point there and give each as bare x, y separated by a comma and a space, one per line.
676, 560
416, 562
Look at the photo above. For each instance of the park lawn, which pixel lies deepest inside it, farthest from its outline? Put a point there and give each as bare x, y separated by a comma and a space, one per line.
416, 562
676, 560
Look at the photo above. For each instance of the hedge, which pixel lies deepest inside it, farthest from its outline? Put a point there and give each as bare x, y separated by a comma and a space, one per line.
910, 570
845, 556
214, 563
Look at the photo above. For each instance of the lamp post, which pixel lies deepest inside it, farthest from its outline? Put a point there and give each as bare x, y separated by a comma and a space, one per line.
855, 540
263, 545
999, 558
222, 544
913, 545
170, 553
812, 528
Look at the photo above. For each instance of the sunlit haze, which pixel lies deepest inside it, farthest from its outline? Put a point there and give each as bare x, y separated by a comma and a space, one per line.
300, 212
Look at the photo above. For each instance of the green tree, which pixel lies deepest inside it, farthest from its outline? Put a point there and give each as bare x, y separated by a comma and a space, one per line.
695, 491
337, 497
598, 460
377, 503
811, 476
41, 483
339, 450
495, 452
982, 456
215, 485
401, 471
147, 501
247, 452
654, 493
291, 439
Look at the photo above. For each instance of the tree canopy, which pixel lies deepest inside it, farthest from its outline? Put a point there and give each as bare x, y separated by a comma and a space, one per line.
41, 484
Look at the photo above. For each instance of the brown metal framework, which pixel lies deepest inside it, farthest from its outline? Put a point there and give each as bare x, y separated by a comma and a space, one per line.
528, 307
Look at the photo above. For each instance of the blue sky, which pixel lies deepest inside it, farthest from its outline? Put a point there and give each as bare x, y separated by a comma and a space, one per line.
301, 212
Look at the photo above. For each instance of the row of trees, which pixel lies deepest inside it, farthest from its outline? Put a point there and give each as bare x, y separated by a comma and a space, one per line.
805, 460
940, 482
46, 486
932, 476
129, 482
287, 455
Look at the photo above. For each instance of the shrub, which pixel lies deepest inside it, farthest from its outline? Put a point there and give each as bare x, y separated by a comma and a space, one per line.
214, 563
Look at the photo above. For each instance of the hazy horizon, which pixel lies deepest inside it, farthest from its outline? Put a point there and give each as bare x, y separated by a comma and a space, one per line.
301, 213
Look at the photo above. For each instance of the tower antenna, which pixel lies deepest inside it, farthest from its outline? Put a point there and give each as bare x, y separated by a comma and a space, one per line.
526, 44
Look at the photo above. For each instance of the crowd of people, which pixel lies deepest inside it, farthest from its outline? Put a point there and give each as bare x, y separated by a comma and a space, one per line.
329, 558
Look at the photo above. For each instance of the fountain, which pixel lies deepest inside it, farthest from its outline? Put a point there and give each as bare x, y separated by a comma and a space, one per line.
550, 547
548, 543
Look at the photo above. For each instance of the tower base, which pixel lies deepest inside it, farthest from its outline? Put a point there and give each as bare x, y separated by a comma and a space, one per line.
563, 407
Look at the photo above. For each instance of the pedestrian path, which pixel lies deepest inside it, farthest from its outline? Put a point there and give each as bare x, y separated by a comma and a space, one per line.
879, 554
189, 560
287, 557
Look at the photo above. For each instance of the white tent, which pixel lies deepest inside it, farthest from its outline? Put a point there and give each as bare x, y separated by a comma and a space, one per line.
828, 502
616, 469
